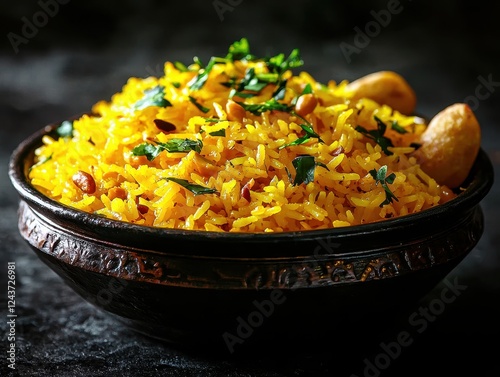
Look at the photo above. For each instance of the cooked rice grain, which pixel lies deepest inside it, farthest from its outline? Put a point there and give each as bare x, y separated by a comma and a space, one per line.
245, 163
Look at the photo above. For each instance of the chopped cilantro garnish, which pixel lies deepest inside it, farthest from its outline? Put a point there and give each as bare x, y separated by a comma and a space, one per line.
193, 187
239, 50
304, 169
153, 97
310, 133
212, 120
280, 91
380, 177
42, 161
396, 127
252, 83
65, 129
307, 89
221, 132
199, 80
269, 105
378, 135
173, 146
181, 67
198, 105
279, 64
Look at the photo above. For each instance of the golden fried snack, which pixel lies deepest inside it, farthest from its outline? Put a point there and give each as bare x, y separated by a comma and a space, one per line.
385, 88
450, 145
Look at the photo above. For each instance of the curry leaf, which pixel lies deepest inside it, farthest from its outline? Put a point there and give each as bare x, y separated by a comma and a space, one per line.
153, 97
301, 140
198, 105
396, 127
193, 187
378, 135
173, 146
305, 166
269, 105
221, 132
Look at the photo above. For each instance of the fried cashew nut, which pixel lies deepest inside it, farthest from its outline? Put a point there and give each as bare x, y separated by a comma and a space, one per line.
385, 88
450, 145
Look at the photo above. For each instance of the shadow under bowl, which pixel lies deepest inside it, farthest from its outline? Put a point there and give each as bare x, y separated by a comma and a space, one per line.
227, 290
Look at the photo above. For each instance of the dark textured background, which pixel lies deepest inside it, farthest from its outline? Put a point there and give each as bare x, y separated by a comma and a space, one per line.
86, 51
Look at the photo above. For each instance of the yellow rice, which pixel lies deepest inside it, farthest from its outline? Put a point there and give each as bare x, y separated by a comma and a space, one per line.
247, 158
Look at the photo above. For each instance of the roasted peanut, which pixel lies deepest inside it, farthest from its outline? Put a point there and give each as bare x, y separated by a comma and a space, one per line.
385, 88
136, 161
84, 181
235, 112
306, 104
450, 145
142, 209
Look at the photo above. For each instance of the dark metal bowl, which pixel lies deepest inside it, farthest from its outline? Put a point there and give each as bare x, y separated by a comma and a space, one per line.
230, 289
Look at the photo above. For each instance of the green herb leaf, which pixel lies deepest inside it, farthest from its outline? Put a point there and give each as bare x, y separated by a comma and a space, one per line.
269, 105
310, 132
181, 67
307, 89
380, 177
251, 84
304, 169
173, 146
396, 127
378, 135
193, 187
201, 78
239, 50
221, 132
212, 120
280, 65
301, 140
280, 91
198, 105
41, 162
65, 129
153, 97
149, 150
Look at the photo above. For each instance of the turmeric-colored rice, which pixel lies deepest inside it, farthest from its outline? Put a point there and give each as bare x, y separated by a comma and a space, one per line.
242, 171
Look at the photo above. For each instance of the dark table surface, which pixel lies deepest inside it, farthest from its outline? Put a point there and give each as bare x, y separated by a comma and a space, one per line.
81, 53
